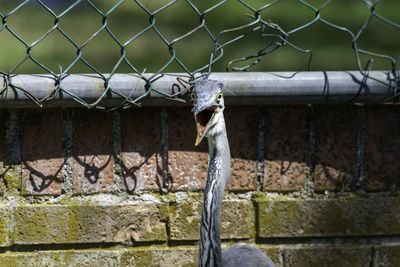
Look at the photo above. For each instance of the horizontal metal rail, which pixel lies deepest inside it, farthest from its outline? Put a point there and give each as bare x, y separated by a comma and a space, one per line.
240, 88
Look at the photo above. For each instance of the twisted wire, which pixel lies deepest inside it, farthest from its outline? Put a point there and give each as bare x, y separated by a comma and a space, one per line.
276, 37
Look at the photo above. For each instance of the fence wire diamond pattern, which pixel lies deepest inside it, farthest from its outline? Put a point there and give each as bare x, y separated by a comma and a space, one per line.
276, 37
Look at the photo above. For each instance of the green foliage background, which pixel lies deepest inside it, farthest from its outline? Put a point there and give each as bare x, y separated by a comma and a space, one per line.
331, 48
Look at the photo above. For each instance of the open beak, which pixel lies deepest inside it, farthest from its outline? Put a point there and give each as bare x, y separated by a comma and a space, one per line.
203, 122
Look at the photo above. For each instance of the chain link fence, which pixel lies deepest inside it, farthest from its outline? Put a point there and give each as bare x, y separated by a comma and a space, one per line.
110, 37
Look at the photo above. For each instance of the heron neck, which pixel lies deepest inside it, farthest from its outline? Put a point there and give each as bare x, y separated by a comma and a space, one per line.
218, 176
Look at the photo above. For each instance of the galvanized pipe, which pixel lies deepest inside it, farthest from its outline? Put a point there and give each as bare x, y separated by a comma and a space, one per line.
241, 88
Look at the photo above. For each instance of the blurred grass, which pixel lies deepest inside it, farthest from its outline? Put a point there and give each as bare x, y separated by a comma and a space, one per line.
331, 48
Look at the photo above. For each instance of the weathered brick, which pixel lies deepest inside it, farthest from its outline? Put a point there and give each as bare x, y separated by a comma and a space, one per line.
237, 219
185, 220
12, 150
184, 257
94, 257
18, 259
2, 136
179, 256
335, 147
285, 148
242, 130
333, 217
381, 154
176, 256
273, 252
387, 256
57, 224
5, 224
93, 152
141, 149
187, 164
42, 152
328, 256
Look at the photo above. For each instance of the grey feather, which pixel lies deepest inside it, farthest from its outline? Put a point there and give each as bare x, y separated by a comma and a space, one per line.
208, 112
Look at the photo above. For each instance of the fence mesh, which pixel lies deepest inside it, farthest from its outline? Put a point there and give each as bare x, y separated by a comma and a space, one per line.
38, 36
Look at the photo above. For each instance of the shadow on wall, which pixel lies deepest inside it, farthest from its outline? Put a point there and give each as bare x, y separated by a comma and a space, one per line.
90, 151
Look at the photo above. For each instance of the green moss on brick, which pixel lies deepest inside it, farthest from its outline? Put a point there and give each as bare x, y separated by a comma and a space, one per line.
333, 217
38, 224
49, 224
185, 257
74, 222
273, 252
328, 256
5, 222
387, 256
185, 220
18, 259
94, 257
12, 177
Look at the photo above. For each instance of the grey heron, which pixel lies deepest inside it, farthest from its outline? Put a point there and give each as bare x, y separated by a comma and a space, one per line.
210, 123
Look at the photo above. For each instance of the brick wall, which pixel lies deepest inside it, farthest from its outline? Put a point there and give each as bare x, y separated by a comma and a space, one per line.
311, 186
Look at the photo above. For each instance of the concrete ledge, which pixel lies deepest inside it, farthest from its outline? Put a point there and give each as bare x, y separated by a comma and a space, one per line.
333, 217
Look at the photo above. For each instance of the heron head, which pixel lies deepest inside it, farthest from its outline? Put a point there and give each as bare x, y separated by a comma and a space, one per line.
208, 106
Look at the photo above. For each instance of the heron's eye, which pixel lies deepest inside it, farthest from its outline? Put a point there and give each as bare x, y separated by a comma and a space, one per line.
193, 96
219, 97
